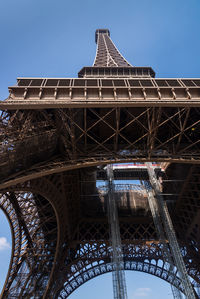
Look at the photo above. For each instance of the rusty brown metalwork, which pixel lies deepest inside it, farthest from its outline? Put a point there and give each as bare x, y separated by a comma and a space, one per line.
55, 136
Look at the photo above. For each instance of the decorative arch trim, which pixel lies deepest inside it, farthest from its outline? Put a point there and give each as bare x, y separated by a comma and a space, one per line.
103, 268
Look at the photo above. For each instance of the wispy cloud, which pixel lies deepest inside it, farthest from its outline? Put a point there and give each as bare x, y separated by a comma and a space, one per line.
142, 292
4, 243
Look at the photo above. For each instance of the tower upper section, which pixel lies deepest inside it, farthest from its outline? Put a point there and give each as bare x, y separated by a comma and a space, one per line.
107, 54
110, 63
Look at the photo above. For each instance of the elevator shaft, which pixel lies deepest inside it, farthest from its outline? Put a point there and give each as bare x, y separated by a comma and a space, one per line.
118, 275
167, 257
170, 233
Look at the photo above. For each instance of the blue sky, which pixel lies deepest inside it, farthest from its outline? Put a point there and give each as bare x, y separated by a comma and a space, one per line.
55, 38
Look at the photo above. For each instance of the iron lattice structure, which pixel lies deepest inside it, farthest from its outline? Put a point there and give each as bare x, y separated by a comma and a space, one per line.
56, 133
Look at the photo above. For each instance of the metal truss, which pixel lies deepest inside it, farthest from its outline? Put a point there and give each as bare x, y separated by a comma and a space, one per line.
54, 136
37, 143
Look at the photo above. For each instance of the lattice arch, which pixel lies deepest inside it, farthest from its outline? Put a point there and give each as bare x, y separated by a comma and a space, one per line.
24, 208
6, 207
92, 260
103, 268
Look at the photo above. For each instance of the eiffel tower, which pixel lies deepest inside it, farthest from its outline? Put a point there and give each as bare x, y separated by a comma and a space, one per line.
58, 134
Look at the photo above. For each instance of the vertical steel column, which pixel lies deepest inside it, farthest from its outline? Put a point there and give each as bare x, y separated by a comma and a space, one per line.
170, 233
118, 275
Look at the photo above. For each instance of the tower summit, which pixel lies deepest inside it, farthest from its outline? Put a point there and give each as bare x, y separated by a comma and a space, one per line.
101, 31
109, 62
